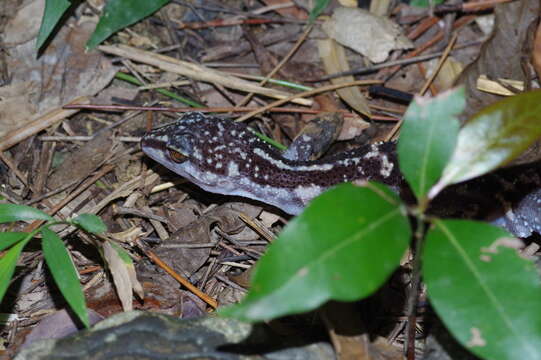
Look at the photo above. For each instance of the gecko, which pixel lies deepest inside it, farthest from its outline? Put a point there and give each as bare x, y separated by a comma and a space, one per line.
225, 157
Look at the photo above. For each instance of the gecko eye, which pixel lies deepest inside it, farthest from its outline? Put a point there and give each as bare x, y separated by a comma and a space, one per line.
176, 156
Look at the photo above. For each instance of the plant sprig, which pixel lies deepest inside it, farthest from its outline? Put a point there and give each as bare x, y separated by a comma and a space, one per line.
54, 251
349, 240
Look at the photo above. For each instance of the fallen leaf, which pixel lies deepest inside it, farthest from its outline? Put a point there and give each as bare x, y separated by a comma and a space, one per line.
62, 73
371, 35
334, 60
500, 58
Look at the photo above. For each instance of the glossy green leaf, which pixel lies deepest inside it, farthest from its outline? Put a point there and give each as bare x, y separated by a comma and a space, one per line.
90, 223
7, 265
120, 13
425, 3
14, 212
54, 9
493, 137
343, 246
318, 8
428, 137
483, 290
64, 273
7, 239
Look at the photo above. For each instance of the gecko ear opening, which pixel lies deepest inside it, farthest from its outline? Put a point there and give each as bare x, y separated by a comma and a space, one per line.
177, 157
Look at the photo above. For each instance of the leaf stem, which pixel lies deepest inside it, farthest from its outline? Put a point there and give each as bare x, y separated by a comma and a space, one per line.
413, 296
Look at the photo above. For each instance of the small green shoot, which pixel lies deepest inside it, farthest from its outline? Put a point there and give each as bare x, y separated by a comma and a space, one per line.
345, 255
117, 15
425, 145
54, 251
493, 137
54, 9
425, 3
349, 240
319, 7
121, 13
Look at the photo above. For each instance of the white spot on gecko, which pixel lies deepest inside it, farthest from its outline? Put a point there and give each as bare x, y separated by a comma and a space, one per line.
281, 165
196, 154
233, 169
307, 193
386, 166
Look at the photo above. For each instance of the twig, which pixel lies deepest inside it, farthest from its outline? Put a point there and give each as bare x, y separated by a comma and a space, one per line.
38, 124
405, 61
306, 94
279, 66
223, 109
440, 64
188, 285
194, 71
34, 225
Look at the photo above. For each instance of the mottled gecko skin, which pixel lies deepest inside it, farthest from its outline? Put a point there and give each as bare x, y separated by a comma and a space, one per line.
225, 157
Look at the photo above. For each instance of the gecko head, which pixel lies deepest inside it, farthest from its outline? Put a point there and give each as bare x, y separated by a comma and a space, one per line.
200, 148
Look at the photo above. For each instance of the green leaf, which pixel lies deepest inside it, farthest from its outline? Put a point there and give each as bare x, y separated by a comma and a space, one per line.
64, 273
425, 3
54, 9
120, 13
493, 137
483, 290
90, 223
14, 212
7, 265
343, 246
7, 239
428, 138
318, 8
122, 254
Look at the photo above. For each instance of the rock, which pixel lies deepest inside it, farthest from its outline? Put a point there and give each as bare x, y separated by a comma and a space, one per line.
139, 335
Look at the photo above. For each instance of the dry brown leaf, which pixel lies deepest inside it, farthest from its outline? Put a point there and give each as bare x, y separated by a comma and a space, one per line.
95, 152
15, 105
334, 60
536, 54
500, 58
294, 11
371, 35
62, 73
380, 7
128, 235
449, 72
497, 86
121, 276
187, 260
